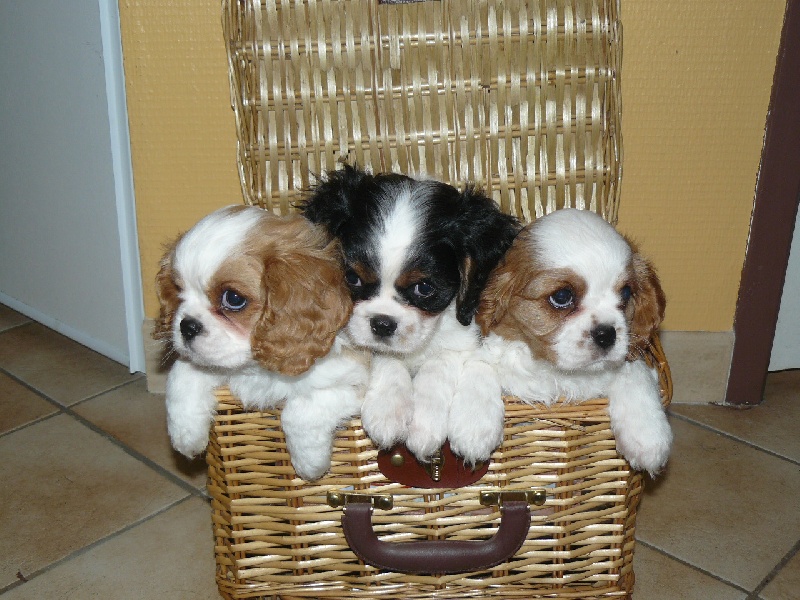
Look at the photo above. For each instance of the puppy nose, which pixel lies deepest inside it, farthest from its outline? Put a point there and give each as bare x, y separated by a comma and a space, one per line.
190, 328
383, 325
604, 336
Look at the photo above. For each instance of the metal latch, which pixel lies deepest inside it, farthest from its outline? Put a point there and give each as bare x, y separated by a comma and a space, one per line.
379, 501
435, 467
497, 498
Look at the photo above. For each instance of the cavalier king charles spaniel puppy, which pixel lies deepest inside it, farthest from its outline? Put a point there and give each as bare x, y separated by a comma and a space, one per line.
569, 314
255, 301
417, 254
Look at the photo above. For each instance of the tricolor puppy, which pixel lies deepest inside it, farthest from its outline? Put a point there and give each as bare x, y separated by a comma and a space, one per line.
417, 254
569, 313
255, 301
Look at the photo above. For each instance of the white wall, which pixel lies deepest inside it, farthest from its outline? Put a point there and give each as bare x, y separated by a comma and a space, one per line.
60, 247
786, 347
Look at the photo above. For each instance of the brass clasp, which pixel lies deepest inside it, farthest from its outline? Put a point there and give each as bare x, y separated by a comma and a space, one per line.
497, 498
380, 501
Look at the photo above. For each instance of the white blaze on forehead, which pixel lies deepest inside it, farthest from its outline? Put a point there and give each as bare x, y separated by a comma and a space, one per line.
399, 229
584, 242
222, 234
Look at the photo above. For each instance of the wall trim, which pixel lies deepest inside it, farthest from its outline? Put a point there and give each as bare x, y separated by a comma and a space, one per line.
123, 182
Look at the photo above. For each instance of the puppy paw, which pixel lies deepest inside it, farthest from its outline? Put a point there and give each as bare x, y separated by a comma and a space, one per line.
646, 448
387, 409
311, 467
189, 440
426, 437
476, 419
474, 439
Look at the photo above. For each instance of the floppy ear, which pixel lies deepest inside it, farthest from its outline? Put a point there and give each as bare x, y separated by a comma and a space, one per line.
505, 281
486, 235
168, 292
307, 303
649, 303
329, 201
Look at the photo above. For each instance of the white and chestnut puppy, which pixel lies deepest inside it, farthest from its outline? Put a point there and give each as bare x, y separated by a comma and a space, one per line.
417, 255
569, 313
255, 301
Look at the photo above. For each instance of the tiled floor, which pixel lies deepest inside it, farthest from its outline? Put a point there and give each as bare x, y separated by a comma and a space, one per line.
94, 504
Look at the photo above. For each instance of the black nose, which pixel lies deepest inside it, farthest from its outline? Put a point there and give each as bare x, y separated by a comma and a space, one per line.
383, 325
604, 336
190, 328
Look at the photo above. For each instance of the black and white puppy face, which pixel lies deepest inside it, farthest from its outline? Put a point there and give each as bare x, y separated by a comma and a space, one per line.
411, 248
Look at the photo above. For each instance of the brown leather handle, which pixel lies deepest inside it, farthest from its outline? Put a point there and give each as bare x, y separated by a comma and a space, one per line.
438, 556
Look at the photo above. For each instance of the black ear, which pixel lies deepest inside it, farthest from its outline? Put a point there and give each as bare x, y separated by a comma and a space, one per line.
487, 234
329, 202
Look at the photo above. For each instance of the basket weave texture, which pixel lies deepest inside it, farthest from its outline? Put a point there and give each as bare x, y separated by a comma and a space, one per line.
276, 535
520, 97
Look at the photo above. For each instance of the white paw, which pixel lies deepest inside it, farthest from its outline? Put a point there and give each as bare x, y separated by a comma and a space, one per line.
387, 409
311, 466
426, 437
387, 428
477, 414
474, 438
646, 448
189, 440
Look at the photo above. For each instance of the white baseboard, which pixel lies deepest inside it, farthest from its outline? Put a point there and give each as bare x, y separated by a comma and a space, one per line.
699, 362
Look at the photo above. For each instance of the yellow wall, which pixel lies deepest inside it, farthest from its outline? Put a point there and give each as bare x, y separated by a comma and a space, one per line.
696, 80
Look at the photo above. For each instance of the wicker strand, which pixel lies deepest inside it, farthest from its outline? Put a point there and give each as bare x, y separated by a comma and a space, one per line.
519, 97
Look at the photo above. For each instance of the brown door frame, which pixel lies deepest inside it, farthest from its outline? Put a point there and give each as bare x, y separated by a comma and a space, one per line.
771, 230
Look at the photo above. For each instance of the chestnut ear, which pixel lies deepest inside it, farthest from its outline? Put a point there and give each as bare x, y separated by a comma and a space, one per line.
649, 305
509, 278
307, 303
168, 292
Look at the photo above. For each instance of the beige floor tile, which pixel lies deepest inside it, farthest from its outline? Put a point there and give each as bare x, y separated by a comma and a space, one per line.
772, 425
659, 577
55, 365
786, 585
138, 419
699, 361
19, 405
170, 556
10, 318
65, 486
724, 507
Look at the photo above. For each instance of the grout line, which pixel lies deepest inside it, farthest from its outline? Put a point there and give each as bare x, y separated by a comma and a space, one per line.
772, 574
88, 547
67, 410
113, 388
732, 437
17, 326
692, 566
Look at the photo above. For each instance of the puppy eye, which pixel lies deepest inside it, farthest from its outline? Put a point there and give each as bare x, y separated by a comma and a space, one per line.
562, 298
424, 289
626, 293
352, 278
232, 300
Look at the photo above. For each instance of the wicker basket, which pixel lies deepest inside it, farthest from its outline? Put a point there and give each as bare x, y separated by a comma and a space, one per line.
278, 536
521, 98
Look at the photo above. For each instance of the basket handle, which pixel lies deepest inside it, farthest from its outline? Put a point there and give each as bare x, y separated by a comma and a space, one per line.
437, 556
